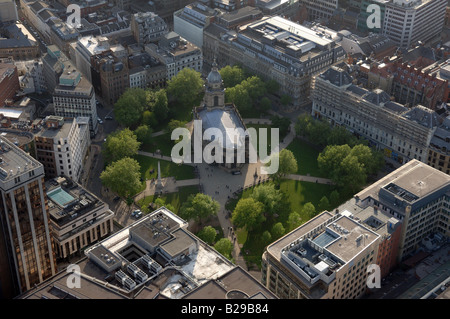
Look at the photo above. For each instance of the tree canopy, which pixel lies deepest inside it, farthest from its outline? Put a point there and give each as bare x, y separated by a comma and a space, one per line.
185, 87
225, 247
208, 234
120, 144
287, 163
129, 107
271, 198
199, 207
248, 213
122, 177
232, 75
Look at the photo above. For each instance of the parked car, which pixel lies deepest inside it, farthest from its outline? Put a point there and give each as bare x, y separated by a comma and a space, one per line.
236, 173
108, 117
116, 198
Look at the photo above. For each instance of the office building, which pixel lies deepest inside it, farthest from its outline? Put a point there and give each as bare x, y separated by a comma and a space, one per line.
27, 248
176, 54
61, 146
9, 83
320, 9
406, 22
156, 257
190, 22
110, 75
147, 27
325, 258
409, 84
276, 48
417, 195
86, 47
401, 133
17, 42
77, 217
8, 11
74, 97
367, 15
146, 71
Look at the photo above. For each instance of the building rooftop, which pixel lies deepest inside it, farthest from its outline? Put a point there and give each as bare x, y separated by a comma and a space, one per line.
14, 162
68, 200
15, 36
225, 119
125, 266
408, 184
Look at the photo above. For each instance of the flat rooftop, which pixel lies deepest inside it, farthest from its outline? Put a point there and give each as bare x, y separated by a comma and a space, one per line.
415, 178
121, 267
14, 162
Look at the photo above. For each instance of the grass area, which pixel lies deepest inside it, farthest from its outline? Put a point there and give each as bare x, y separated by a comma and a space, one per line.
161, 142
297, 194
306, 156
174, 199
168, 169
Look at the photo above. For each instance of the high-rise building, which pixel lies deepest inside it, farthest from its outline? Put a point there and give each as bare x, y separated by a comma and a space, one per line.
62, 145
27, 251
320, 9
77, 217
74, 97
406, 22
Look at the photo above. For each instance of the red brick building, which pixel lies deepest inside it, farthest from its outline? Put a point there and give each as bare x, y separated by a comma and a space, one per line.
9, 82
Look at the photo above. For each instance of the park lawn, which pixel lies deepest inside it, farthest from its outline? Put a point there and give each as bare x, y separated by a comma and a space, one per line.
298, 193
174, 199
168, 169
306, 156
163, 143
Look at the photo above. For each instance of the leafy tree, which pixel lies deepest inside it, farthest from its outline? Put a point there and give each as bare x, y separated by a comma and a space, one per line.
173, 124
287, 163
120, 144
159, 202
185, 87
266, 237
334, 198
331, 158
282, 123
324, 204
294, 220
277, 231
309, 210
265, 104
129, 107
208, 234
143, 133
248, 213
254, 86
339, 135
240, 97
160, 106
232, 75
149, 118
271, 198
371, 159
122, 177
199, 207
301, 126
225, 247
